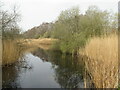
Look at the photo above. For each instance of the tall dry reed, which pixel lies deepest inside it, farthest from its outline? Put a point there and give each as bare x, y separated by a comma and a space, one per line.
10, 52
102, 62
0, 51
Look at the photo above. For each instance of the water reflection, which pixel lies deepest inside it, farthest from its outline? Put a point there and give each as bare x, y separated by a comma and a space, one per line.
11, 73
46, 69
68, 72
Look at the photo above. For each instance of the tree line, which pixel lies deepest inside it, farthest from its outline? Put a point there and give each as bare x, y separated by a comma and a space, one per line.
74, 29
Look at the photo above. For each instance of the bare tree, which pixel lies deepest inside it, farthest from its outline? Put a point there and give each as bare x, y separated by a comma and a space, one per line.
9, 22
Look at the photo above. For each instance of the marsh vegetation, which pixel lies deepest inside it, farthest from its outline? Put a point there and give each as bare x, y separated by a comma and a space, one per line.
11, 52
102, 61
77, 50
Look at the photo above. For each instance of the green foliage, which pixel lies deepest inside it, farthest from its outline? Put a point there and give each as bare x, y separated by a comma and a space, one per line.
74, 29
47, 34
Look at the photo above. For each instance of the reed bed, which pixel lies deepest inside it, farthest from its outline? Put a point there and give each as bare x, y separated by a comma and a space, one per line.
10, 52
0, 51
102, 61
44, 43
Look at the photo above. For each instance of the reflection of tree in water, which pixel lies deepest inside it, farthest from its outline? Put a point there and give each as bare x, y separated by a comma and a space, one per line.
42, 54
68, 72
10, 74
9, 77
68, 79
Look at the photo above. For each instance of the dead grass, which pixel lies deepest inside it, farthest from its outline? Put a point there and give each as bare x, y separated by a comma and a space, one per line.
0, 51
10, 52
43, 43
102, 62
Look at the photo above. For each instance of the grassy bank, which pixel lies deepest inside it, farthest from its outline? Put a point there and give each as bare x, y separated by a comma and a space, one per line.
102, 62
11, 51
44, 43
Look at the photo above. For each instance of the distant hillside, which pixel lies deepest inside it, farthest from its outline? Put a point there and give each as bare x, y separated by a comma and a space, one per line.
38, 31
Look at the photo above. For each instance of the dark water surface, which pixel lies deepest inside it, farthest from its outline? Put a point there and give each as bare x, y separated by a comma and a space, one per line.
44, 69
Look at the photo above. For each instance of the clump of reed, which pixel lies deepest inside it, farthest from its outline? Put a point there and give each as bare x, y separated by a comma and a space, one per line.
102, 61
0, 51
10, 52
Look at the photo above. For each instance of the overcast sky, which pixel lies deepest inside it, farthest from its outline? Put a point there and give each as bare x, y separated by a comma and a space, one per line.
34, 12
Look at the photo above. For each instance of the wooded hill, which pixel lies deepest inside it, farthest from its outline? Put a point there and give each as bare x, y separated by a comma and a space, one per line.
38, 31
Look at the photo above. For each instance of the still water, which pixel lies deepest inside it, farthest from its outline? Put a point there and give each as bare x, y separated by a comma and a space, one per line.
44, 69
